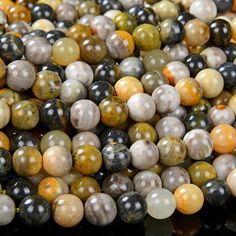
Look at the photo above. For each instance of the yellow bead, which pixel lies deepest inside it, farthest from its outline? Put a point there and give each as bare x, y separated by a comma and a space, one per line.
43, 24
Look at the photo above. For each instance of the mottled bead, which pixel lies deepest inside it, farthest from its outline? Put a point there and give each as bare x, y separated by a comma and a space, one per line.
176, 52
172, 150
173, 177
5, 114
116, 157
4, 141
144, 154
18, 12
132, 207
228, 73
7, 210
170, 126
27, 161
57, 161
43, 24
66, 11
84, 115
180, 113
100, 209
146, 181
230, 180
129, 3
166, 97
117, 184
88, 7
53, 35
9, 96
125, 21
42, 11
5, 162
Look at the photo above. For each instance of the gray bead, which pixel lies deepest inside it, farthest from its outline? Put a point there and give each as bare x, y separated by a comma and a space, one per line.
146, 181
173, 177
179, 113
7, 210
100, 209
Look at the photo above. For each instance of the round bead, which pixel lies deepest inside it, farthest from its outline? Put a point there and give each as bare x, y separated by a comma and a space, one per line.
42, 24
161, 203
5, 114
231, 182
5, 162
65, 12
4, 141
7, 210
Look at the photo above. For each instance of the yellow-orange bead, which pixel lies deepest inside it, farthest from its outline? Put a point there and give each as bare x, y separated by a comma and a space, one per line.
5, 5
65, 51
224, 138
126, 36
4, 141
18, 12
189, 199
190, 91
233, 27
232, 103
128, 86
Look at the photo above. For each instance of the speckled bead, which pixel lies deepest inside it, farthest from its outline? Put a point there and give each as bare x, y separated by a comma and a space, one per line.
176, 52
170, 126
144, 154
65, 12
146, 181
84, 115
180, 113
100, 209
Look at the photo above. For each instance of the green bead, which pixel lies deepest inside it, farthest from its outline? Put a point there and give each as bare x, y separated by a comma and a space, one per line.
125, 21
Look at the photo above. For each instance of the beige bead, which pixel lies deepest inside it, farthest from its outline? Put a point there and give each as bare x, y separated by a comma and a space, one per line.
43, 24
231, 182
232, 103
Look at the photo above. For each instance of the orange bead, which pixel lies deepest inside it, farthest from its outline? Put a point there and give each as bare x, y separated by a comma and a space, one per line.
18, 12
126, 36
224, 138
189, 199
5, 5
234, 6
128, 86
190, 91
4, 141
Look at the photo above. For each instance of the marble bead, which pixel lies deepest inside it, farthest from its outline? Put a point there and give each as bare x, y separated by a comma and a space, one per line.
80, 71
84, 115
117, 184
199, 144
180, 113
176, 52
100, 209
173, 177
84, 138
144, 154
170, 126
7, 210
38, 51
141, 107
161, 203
146, 181
72, 90
67, 210
223, 165
57, 161
231, 182
5, 114
167, 98
20, 75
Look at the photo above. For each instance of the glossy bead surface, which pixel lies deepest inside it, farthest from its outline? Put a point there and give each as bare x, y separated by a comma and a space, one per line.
230, 180
4, 141
43, 24
227, 71
5, 162
42, 11
5, 114
7, 210
125, 21
18, 12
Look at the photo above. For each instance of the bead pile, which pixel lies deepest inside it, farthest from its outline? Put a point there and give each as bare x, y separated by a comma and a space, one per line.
116, 108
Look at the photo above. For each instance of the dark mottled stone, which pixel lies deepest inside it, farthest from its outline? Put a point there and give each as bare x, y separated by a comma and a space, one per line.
53, 35
228, 72
5, 162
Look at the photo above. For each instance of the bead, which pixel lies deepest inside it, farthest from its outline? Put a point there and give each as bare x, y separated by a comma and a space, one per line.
189, 199
230, 180
160, 203
116, 157
87, 159
109, 5
227, 71
84, 115
129, 3
4, 114
18, 12
88, 7
172, 150
144, 154
42, 24
223, 137
223, 165
65, 12
42, 11
146, 181
52, 3
57, 161
50, 188
100, 209
199, 144
5, 162
170, 126
184, 17
117, 184
176, 52
4, 141
7, 210
53, 35
132, 207
179, 113
125, 21
203, 106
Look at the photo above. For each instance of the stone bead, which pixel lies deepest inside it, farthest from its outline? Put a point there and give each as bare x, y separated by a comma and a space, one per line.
170, 126
52, 3
84, 115
180, 113
84, 187
132, 207
80, 71
223, 165
172, 150
141, 107
100, 209
173, 177
200, 172
42, 24
117, 184
65, 12
84, 138
70, 177
144, 154
5, 162
20, 75
146, 181
221, 114
7, 210
4, 141
167, 98
67, 210
189, 199
57, 161
65, 51
5, 114
161, 203
176, 52
199, 144
231, 180
38, 51
55, 138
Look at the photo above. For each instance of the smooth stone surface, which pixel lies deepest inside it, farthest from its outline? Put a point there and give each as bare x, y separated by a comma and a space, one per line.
7, 210
231, 182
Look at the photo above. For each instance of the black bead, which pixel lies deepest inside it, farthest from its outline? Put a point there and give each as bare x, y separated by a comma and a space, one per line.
37, 33
53, 35
63, 24
184, 17
230, 52
107, 5
5, 162
228, 72
42, 11
223, 5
